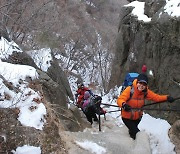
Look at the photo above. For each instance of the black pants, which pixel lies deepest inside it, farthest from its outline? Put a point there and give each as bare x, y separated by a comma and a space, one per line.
91, 114
132, 125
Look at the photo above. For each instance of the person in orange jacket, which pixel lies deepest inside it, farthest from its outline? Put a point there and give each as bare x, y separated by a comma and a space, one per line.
136, 99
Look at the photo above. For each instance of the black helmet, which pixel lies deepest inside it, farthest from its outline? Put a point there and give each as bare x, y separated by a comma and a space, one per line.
80, 85
142, 78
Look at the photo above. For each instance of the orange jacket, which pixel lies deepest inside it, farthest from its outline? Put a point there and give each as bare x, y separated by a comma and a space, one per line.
137, 101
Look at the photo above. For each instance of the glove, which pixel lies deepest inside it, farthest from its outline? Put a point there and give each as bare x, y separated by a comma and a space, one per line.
126, 107
102, 111
170, 99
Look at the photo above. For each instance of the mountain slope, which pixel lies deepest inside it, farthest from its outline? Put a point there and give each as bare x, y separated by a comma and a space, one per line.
113, 139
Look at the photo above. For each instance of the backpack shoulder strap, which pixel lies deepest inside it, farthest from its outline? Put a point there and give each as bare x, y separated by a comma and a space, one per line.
145, 94
131, 92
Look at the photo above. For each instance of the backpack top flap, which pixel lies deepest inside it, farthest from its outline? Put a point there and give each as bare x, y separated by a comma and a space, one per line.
130, 78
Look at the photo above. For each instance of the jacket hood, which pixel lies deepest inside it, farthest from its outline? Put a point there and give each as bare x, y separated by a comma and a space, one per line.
86, 95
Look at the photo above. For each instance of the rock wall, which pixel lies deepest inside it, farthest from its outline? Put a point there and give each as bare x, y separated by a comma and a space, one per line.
55, 92
156, 44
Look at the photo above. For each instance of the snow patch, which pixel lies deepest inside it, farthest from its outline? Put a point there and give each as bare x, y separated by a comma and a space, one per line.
139, 10
26, 149
7, 48
172, 7
91, 146
42, 58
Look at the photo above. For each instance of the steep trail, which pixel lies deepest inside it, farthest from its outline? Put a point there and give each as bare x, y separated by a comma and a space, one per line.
114, 139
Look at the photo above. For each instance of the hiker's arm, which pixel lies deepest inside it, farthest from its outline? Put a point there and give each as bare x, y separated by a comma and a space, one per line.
155, 97
124, 96
91, 93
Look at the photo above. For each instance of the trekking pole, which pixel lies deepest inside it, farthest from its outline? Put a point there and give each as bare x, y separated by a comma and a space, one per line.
114, 111
160, 102
109, 105
99, 119
155, 109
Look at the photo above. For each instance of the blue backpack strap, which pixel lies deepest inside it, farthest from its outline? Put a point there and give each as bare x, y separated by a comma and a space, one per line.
128, 81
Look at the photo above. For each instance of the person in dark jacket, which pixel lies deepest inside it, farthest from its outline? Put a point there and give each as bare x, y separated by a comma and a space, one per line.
127, 101
91, 107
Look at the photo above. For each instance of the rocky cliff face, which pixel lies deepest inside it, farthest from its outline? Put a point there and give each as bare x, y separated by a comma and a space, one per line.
55, 93
156, 44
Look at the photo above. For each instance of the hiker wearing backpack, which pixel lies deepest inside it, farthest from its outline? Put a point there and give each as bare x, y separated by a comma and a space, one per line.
144, 69
134, 97
80, 94
91, 107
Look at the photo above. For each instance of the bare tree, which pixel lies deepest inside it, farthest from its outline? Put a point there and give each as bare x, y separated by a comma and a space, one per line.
19, 18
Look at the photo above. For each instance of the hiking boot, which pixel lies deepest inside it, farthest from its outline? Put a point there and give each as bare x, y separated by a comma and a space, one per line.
96, 119
132, 135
